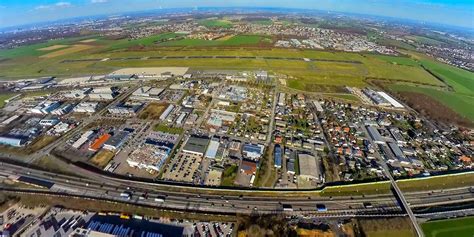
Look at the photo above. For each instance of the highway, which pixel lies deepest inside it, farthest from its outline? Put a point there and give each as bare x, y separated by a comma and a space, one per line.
227, 201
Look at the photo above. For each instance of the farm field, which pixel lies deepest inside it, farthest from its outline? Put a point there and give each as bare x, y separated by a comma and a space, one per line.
147, 41
460, 103
237, 40
68, 50
216, 23
459, 227
34, 49
461, 80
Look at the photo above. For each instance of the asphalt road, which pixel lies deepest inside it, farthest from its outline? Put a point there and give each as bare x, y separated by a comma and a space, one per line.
209, 200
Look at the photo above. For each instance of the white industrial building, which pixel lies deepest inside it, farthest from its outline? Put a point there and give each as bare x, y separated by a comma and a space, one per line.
45, 107
48, 122
84, 138
86, 107
167, 112
147, 93
102, 93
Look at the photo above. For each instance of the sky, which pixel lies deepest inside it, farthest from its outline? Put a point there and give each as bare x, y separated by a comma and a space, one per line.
454, 12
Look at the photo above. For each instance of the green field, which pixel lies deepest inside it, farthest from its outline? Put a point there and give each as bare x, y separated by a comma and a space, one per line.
461, 80
5, 96
216, 23
459, 227
233, 41
460, 103
398, 60
33, 50
126, 43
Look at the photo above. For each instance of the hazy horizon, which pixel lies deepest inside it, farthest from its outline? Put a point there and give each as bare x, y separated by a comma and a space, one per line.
456, 13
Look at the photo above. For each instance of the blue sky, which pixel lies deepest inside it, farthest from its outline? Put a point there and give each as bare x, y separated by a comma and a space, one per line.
459, 12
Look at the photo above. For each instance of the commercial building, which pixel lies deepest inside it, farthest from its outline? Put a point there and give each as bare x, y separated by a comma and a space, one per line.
212, 149
128, 109
86, 107
398, 153
167, 112
77, 94
48, 122
375, 135
391, 100
116, 141
99, 142
64, 109
102, 93
45, 107
281, 99
309, 168
9, 120
147, 93
277, 156
16, 141
84, 137
318, 106
196, 145
150, 156
253, 151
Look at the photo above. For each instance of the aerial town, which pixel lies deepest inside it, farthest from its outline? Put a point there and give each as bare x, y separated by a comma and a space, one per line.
219, 127
235, 122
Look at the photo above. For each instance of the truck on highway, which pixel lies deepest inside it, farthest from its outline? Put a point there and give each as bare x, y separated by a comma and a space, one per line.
160, 199
321, 207
287, 207
126, 195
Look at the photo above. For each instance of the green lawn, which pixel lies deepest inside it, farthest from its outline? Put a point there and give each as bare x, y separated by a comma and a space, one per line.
216, 23
459, 227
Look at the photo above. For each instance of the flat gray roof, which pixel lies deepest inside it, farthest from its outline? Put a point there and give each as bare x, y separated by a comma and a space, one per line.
197, 144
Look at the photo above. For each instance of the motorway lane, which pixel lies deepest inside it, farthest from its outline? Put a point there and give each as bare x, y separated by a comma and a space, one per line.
232, 203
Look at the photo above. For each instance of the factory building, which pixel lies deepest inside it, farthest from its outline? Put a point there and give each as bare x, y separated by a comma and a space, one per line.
45, 107
86, 107
309, 168
116, 141
102, 93
277, 156
147, 93
99, 142
281, 99
253, 151
48, 122
16, 141
65, 109
196, 145
375, 135
83, 139
212, 149
167, 112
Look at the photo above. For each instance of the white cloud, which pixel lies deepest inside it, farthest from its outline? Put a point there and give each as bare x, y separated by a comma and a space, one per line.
54, 6
99, 1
